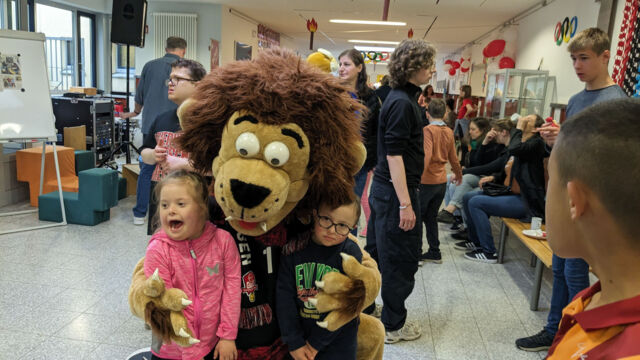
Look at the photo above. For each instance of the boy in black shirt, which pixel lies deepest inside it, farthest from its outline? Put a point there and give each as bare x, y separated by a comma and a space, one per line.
158, 147
393, 239
297, 279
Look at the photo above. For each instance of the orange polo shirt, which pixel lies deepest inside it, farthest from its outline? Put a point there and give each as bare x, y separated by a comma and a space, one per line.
610, 331
439, 147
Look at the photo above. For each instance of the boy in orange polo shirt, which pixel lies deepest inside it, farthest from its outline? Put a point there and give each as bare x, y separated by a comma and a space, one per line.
593, 209
439, 148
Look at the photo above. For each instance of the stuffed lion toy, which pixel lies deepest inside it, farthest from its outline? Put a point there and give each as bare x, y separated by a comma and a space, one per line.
278, 135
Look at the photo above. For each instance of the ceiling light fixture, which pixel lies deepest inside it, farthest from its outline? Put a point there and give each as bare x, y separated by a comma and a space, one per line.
369, 22
374, 42
374, 48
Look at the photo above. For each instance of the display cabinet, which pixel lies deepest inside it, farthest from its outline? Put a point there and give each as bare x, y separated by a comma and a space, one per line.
512, 91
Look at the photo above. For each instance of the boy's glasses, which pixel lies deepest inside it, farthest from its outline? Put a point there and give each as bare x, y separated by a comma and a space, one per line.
327, 223
175, 80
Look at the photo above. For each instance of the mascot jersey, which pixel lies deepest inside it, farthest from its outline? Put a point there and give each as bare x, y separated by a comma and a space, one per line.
258, 328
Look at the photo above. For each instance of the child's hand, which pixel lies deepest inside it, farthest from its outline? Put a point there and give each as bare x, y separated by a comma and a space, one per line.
160, 154
225, 350
302, 353
311, 350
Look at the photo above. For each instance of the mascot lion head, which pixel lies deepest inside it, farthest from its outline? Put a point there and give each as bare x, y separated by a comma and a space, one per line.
277, 134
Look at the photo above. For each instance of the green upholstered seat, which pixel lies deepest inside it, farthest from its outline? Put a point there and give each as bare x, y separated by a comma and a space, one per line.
122, 188
85, 160
97, 194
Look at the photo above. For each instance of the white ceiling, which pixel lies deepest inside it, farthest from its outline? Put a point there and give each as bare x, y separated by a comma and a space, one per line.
458, 21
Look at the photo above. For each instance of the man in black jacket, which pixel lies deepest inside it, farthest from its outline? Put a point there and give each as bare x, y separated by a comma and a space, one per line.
393, 239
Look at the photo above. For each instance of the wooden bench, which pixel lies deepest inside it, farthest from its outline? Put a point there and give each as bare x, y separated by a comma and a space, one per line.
540, 249
131, 172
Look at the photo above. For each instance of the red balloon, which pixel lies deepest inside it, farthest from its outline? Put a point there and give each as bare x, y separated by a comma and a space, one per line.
464, 70
452, 71
494, 48
461, 60
448, 61
455, 65
506, 63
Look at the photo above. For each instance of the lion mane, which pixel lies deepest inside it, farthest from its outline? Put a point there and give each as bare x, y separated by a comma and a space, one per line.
279, 88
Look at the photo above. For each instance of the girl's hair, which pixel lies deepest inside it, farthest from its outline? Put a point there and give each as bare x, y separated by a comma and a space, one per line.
483, 125
425, 91
362, 89
197, 188
408, 58
502, 124
467, 91
539, 121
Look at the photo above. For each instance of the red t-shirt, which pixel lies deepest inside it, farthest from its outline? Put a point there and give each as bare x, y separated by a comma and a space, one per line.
463, 108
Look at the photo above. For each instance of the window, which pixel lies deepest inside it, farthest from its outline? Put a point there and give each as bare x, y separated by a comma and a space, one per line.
9, 14
119, 68
70, 50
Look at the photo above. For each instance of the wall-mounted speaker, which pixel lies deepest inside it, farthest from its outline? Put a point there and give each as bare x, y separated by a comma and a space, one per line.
128, 22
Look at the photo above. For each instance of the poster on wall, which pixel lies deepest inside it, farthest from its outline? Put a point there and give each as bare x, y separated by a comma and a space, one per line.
214, 48
10, 72
243, 51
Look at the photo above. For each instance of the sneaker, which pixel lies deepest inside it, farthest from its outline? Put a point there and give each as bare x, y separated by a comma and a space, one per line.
481, 256
538, 342
445, 217
138, 220
465, 246
410, 331
432, 256
458, 225
377, 312
462, 235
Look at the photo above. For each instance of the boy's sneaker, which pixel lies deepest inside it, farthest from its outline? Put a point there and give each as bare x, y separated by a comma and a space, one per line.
458, 225
138, 220
538, 342
481, 256
432, 256
465, 246
410, 331
445, 217
462, 235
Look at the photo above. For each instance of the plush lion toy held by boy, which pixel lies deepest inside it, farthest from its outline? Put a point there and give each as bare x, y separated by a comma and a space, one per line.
278, 135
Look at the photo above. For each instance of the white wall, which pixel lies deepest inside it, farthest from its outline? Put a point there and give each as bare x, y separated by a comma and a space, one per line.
535, 42
237, 29
209, 26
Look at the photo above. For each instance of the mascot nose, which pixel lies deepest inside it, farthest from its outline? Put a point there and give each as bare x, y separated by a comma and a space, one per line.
248, 195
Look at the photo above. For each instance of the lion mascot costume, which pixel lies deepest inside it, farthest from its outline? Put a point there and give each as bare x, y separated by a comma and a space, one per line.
278, 135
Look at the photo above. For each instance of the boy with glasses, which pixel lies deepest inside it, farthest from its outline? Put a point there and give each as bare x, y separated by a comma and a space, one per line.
158, 148
297, 286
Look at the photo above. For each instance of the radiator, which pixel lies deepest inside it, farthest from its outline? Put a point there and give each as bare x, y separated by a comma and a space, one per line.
175, 24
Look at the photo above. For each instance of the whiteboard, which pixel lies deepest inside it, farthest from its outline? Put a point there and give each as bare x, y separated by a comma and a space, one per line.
25, 100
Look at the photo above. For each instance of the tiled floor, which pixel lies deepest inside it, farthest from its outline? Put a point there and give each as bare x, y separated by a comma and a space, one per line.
64, 296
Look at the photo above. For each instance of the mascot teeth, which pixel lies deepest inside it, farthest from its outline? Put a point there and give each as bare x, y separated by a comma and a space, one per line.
313, 302
263, 226
228, 218
322, 324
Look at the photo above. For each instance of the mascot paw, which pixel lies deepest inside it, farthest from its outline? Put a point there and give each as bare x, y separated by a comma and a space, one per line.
159, 307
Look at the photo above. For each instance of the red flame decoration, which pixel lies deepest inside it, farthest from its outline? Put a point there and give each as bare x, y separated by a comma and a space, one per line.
312, 25
410, 34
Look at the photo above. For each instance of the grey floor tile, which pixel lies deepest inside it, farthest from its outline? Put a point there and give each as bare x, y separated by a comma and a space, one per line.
45, 321
90, 327
73, 300
15, 344
111, 352
130, 334
61, 349
502, 351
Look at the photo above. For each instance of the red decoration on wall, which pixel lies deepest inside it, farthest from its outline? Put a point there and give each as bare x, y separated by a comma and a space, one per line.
312, 26
410, 34
494, 48
506, 63
455, 65
452, 71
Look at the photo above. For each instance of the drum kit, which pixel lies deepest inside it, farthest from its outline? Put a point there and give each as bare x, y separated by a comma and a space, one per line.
124, 130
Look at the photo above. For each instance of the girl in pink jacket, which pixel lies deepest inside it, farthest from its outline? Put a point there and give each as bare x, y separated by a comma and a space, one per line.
195, 256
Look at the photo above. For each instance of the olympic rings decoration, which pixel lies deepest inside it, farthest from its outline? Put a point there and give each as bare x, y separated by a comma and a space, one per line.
375, 56
565, 30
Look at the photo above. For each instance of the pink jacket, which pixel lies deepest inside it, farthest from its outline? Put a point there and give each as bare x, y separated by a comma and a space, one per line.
207, 269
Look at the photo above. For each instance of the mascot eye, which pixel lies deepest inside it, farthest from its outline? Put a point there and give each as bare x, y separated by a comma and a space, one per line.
276, 153
247, 144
